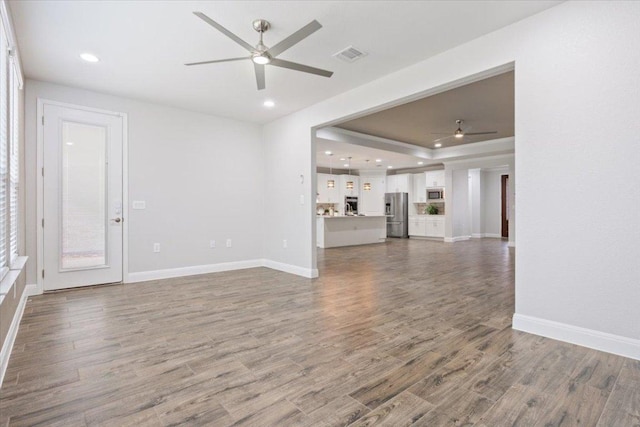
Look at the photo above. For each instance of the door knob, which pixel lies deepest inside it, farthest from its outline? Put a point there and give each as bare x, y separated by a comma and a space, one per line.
117, 219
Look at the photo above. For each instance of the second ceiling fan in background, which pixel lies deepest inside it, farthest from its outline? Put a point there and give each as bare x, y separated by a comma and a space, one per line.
262, 55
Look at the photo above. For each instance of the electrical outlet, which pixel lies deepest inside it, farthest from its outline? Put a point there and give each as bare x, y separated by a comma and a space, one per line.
228, 243
156, 247
284, 243
212, 243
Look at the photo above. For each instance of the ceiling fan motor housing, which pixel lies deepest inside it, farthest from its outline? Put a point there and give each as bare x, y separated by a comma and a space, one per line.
261, 25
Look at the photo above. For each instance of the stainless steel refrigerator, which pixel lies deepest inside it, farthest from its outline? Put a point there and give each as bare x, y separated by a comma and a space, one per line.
396, 208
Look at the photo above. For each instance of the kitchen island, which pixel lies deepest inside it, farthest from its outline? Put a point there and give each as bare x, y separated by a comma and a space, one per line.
334, 231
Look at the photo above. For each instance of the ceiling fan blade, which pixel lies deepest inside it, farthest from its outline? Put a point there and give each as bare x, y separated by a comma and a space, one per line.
479, 133
224, 31
259, 75
296, 37
300, 67
218, 60
442, 139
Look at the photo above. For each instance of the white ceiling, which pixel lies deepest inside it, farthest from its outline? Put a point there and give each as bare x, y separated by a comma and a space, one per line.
144, 44
359, 156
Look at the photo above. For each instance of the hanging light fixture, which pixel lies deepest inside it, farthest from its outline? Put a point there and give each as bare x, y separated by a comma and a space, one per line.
458, 133
367, 185
349, 183
331, 183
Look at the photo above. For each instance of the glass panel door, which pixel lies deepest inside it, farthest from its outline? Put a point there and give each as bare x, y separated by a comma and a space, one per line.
84, 191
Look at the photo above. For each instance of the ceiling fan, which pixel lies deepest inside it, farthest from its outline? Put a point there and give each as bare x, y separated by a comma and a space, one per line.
459, 133
262, 55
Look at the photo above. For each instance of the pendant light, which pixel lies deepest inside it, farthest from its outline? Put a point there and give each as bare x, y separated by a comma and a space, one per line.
349, 183
367, 185
331, 183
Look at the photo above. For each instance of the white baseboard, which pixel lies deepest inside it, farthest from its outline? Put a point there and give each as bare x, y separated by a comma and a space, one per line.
486, 235
168, 273
32, 290
616, 344
293, 269
456, 239
5, 353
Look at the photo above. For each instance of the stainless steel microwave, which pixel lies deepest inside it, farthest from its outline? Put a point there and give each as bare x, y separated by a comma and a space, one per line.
435, 194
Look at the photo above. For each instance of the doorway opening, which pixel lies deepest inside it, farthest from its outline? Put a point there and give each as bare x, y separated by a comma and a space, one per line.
505, 205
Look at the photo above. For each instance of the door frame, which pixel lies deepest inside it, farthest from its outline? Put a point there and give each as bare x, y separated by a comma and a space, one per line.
41, 102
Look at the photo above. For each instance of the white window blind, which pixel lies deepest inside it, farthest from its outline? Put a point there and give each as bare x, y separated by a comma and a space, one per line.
4, 135
14, 167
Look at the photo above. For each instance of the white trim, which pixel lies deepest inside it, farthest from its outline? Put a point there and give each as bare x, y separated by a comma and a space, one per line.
512, 244
603, 341
41, 102
31, 290
168, 273
456, 239
10, 339
485, 235
310, 273
7, 21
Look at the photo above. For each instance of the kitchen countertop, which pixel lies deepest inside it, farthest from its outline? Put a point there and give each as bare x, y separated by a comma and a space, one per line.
350, 216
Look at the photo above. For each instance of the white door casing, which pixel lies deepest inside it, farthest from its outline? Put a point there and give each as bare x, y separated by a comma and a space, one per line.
82, 198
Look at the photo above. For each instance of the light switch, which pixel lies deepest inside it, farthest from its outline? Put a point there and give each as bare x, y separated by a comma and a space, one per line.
139, 204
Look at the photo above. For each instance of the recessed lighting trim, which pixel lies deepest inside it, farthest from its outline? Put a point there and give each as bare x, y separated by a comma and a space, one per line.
328, 153
438, 145
346, 165
378, 160
89, 57
421, 163
342, 159
69, 143
389, 167
269, 103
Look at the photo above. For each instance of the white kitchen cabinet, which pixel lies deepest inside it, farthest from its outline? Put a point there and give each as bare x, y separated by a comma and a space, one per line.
399, 183
434, 226
325, 194
434, 178
417, 225
419, 188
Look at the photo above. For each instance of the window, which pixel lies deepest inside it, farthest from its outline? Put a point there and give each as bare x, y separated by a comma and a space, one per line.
9, 151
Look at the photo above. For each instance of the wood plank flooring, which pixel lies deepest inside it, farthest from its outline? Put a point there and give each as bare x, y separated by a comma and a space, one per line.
403, 333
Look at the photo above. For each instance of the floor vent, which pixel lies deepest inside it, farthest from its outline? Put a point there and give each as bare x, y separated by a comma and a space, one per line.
350, 54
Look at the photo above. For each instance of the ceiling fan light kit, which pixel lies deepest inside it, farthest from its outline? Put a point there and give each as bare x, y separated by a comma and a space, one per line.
262, 55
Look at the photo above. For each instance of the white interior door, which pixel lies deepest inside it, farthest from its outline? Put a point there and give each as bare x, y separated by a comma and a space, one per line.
82, 197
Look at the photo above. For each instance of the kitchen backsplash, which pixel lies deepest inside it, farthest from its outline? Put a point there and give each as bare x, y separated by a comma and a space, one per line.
422, 207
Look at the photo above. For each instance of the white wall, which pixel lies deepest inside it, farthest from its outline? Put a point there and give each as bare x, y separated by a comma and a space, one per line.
576, 108
200, 175
476, 211
458, 203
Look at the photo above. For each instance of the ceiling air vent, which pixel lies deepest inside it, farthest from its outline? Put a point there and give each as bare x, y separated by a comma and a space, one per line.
350, 54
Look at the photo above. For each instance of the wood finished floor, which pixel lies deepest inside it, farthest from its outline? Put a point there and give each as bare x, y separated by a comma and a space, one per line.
397, 334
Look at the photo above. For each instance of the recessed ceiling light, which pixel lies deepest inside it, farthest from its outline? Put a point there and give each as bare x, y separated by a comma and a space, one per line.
328, 153
346, 165
438, 145
342, 159
378, 160
69, 143
89, 57
269, 103
389, 167
421, 163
